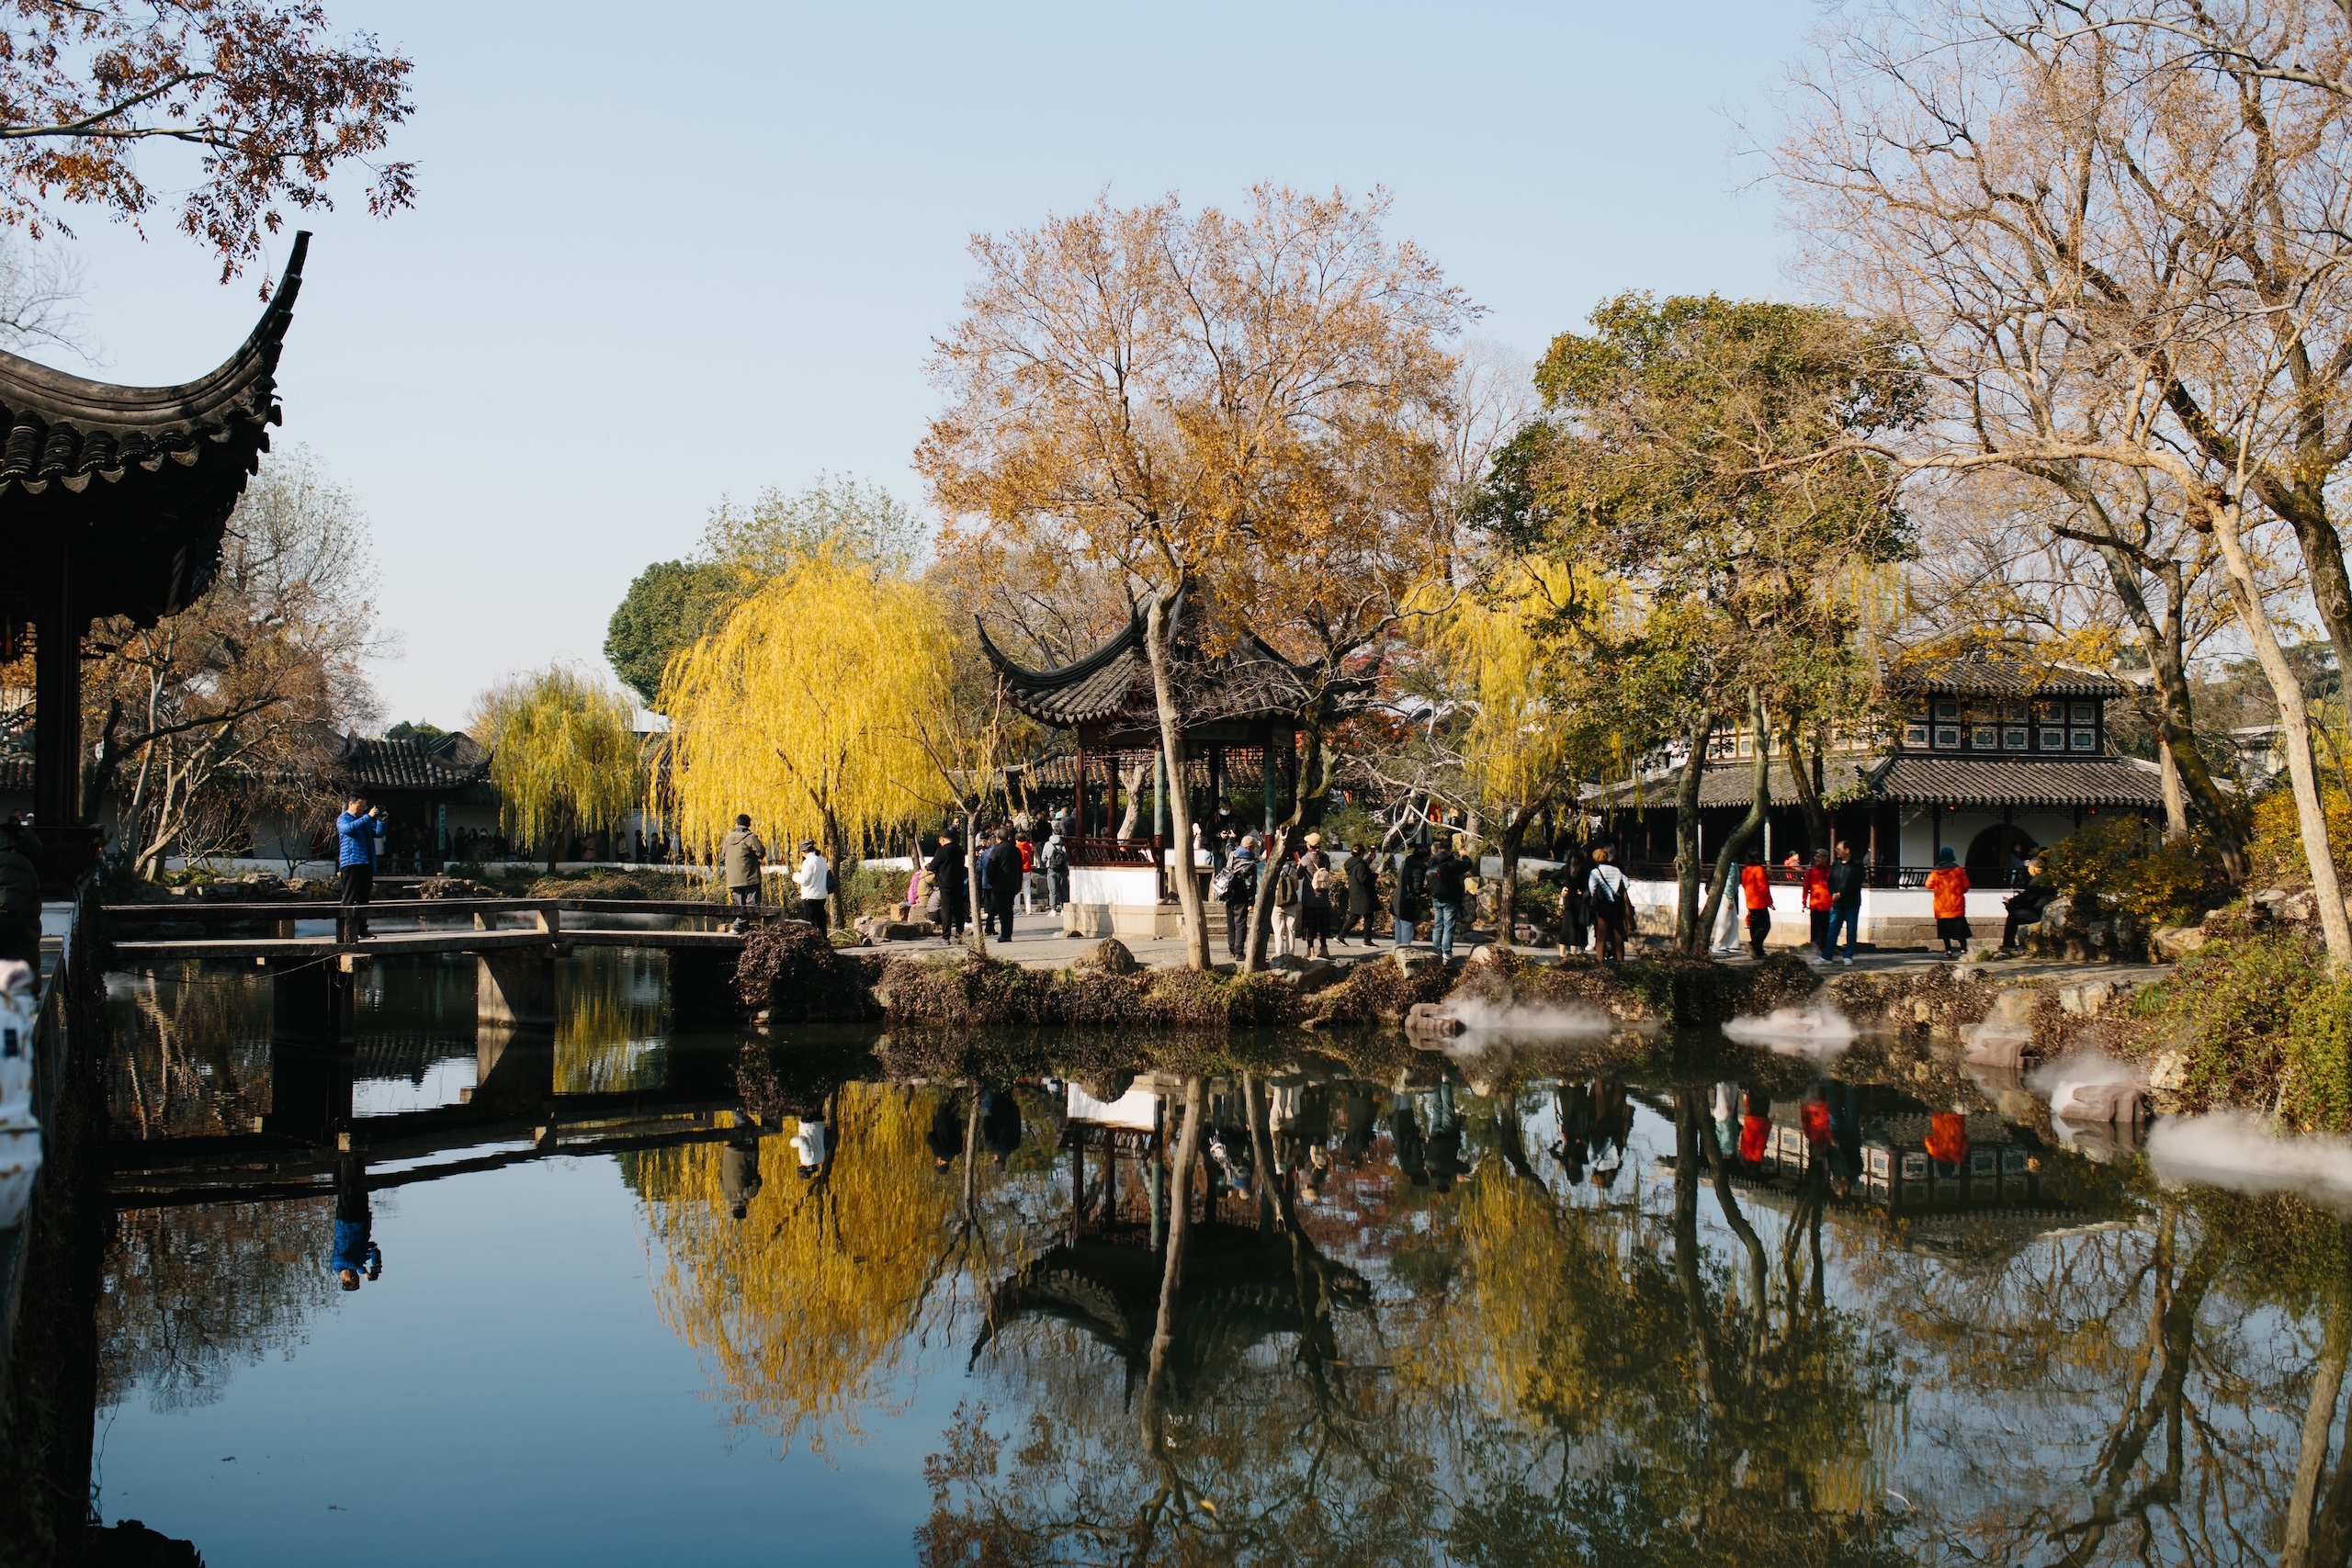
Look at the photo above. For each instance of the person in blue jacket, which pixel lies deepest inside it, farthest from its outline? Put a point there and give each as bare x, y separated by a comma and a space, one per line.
359, 833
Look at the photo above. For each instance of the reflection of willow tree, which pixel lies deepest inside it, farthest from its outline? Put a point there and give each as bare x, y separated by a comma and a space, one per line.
608, 1029
192, 1293
811, 1305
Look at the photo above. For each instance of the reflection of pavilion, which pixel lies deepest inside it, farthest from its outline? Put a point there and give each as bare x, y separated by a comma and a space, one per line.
1239, 1283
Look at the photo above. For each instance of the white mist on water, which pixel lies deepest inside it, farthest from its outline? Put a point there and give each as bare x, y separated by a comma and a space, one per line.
2066, 1078
1519, 1019
2233, 1150
1818, 1028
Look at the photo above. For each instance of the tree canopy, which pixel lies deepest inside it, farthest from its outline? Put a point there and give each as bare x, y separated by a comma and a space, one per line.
668, 606
562, 754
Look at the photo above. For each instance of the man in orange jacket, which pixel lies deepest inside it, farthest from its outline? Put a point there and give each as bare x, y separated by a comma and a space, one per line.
1818, 900
1756, 892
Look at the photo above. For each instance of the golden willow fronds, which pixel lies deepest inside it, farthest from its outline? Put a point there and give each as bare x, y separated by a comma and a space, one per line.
806, 1306
562, 754
1502, 659
799, 710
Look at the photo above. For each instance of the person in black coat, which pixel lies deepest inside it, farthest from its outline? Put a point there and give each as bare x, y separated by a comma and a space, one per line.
1004, 883
947, 875
1363, 895
1405, 903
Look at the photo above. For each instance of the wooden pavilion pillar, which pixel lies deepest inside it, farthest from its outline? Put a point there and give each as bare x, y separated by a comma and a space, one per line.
57, 695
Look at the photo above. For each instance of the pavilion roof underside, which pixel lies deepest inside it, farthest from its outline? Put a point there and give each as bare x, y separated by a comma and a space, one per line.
1113, 686
138, 483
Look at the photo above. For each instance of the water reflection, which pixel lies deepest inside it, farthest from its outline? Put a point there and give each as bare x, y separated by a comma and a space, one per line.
1605, 1298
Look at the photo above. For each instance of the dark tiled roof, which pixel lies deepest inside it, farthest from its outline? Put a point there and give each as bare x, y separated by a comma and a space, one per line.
1725, 783
1980, 676
145, 477
450, 762
1964, 781
1911, 779
1114, 682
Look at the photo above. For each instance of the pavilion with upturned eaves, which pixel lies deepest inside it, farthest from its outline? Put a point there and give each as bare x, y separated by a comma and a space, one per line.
1244, 705
113, 501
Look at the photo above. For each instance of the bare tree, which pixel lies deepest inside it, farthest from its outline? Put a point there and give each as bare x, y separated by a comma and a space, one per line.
246, 681
2117, 253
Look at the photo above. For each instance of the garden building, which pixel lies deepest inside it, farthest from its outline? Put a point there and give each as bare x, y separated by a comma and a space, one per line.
1986, 756
113, 501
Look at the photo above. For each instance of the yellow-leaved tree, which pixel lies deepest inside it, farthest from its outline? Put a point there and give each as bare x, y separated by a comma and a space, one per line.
1523, 728
563, 756
806, 1304
799, 710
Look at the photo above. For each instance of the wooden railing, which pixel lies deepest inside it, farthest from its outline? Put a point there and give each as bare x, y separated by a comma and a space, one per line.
545, 915
1099, 851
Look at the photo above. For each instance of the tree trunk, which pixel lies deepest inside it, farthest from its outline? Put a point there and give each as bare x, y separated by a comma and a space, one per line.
2176, 802
2295, 733
1687, 935
1513, 837
837, 851
973, 931
1802, 773
1171, 741
1180, 1230
1760, 800
2319, 1420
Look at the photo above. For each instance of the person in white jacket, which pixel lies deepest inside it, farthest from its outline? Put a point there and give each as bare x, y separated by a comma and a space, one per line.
815, 879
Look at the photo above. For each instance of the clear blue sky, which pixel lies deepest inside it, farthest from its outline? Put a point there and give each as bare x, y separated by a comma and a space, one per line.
666, 253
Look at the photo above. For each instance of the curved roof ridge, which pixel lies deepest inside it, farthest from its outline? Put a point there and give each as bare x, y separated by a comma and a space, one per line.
60, 396
1126, 640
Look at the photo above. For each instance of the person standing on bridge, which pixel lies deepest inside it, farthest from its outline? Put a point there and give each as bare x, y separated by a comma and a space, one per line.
815, 879
359, 833
741, 856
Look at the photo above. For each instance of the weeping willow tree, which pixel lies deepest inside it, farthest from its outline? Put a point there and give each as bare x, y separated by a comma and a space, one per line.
1526, 726
801, 709
808, 1304
562, 755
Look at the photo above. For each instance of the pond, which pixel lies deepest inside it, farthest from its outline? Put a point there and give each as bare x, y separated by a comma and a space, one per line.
831, 1296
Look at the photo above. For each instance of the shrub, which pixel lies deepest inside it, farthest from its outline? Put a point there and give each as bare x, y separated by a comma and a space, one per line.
2263, 1026
793, 971
2276, 851
2112, 860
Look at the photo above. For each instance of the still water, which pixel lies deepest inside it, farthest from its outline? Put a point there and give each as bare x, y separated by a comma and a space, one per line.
1570, 1300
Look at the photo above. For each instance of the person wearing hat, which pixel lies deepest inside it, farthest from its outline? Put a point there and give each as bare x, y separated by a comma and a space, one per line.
741, 856
814, 880
1948, 887
1314, 899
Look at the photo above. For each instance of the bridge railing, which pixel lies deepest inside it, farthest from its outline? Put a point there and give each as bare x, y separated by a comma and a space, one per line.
545, 915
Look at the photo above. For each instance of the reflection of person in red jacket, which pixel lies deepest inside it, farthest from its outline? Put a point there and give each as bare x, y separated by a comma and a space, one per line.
1947, 1141
1754, 1127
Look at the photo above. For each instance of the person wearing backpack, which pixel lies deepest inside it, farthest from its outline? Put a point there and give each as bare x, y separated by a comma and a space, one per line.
1288, 886
1236, 887
1057, 855
1315, 898
1608, 898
